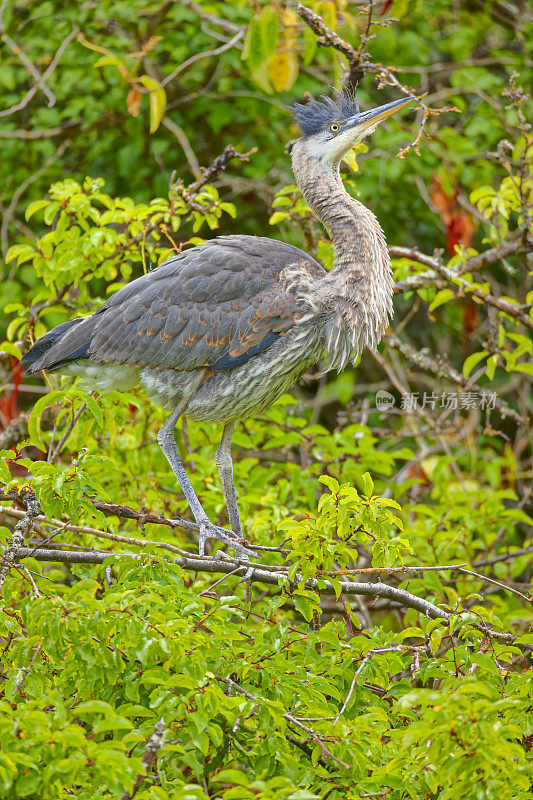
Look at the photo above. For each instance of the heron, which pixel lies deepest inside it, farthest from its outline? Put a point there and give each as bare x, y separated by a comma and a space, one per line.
221, 330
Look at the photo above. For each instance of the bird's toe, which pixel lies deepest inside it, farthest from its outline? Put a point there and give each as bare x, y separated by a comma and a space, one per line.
249, 574
209, 531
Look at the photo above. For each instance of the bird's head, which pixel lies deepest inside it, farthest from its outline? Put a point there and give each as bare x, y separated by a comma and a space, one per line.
331, 126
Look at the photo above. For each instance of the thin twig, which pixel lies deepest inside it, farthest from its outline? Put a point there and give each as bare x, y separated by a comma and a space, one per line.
25, 671
362, 665
44, 77
290, 718
181, 136
206, 54
525, 551
496, 583
67, 433
472, 264
112, 537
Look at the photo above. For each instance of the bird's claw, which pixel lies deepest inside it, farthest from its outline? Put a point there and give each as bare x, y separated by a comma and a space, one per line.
210, 531
250, 572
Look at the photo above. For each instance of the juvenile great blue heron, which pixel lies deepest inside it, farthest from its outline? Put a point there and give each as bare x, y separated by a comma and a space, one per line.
221, 330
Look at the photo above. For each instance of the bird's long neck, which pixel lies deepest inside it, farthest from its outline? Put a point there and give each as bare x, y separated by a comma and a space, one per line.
360, 281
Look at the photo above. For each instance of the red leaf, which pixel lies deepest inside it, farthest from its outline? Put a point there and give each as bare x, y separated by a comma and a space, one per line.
460, 231
8, 403
469, 318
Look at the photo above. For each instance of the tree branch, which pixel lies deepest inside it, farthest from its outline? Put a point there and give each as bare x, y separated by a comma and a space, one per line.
471, 264
21, 530
206, 54
442, 367
261, 575
328, 38
43, 78
290, 719
154, 744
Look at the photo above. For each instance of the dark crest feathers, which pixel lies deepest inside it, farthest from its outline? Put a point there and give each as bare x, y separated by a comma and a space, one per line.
315, 115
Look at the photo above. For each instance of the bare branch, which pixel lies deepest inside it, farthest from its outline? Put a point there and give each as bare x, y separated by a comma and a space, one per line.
225, 24
525, 551
471, 264
361, 667
290, 718
48, 133
328, 38
206, 54
112, 537
43, 78
219, 165
34, 72
442, 367
181, 136
273, 576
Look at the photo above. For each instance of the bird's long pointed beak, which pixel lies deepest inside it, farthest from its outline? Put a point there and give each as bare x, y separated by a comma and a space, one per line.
375, 115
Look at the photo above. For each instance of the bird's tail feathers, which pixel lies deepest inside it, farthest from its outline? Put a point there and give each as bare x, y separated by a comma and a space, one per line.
66, 343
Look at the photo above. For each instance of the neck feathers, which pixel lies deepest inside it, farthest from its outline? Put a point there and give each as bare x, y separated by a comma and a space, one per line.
359, 287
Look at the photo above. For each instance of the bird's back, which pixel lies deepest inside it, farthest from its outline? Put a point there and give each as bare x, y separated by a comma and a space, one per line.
216, 305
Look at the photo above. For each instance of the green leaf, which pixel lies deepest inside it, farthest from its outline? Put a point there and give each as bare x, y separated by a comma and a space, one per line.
253, 45
269, 30
523, 366
277, 216
232, 776
11, 349
443, 296
304, 607
34, 207
310, 46
368, 484
158, 101
492, 363
472, 360
34, 422
331, 483
21, 252
5, 455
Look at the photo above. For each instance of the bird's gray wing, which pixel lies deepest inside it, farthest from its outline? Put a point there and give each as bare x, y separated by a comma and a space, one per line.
215, 305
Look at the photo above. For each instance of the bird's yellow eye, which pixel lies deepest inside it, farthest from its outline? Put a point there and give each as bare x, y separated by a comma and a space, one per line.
334, 127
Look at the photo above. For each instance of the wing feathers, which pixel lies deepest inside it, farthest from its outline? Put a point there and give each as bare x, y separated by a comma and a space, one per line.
216, 305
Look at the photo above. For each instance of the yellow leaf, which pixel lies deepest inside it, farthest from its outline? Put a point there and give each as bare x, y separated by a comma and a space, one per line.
260, 76
290, 22
350, 158
283, 71
158, 101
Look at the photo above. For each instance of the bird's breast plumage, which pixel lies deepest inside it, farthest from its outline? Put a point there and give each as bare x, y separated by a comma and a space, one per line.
245, 390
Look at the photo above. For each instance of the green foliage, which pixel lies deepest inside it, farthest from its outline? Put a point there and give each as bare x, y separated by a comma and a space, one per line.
307, 689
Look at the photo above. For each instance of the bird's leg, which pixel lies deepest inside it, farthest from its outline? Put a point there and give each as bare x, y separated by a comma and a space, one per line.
167, 442
225, 470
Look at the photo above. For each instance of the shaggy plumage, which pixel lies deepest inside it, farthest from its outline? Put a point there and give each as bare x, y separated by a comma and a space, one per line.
317, 115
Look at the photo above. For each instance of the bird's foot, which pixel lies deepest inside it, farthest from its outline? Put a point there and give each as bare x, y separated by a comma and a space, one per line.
210, 531
248, 575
